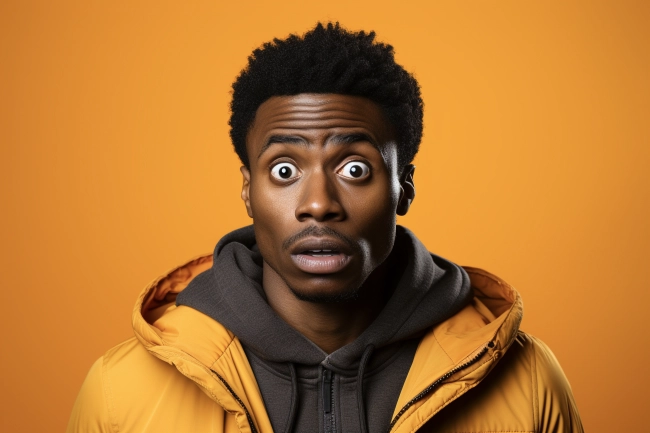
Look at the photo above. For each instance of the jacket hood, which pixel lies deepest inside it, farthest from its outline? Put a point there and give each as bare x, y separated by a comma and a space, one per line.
429, 289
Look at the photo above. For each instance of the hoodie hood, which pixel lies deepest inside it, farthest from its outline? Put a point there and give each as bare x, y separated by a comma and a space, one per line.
212, 357
429, 290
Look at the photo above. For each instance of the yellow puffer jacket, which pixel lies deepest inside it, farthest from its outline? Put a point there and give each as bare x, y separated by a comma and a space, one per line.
205, 383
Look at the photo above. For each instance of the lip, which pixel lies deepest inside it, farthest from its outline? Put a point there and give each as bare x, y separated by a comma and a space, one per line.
321, 255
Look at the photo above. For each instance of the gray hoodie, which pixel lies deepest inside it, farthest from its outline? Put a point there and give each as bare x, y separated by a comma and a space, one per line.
355, 388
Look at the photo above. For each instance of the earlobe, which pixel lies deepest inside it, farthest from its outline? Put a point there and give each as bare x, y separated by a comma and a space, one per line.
245, 189
407, 186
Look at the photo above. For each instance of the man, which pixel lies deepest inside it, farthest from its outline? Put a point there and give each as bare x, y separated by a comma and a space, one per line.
324, 316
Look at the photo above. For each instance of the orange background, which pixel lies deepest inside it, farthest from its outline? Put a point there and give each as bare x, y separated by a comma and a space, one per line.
117, 166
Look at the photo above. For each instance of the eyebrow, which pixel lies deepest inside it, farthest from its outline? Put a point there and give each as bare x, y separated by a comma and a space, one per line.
351, 138
286, 139
334, 139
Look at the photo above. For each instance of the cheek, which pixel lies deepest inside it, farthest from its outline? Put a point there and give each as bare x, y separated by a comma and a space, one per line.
272, 214
268, 203
377, 205
375, 217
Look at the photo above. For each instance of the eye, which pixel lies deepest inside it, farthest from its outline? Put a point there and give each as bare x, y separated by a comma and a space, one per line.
285, 171
354, 170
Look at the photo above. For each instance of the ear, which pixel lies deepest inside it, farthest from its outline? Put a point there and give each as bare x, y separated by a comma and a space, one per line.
407, 194
245, 189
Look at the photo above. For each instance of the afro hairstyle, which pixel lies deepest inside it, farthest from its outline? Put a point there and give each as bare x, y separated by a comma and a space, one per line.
329, 59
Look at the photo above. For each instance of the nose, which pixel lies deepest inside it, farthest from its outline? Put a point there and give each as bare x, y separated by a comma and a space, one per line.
319, 200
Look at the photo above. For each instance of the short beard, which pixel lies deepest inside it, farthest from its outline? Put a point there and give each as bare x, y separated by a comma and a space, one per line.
326, 298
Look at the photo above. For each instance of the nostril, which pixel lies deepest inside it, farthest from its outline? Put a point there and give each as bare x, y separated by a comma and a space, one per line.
319, 215
331, 216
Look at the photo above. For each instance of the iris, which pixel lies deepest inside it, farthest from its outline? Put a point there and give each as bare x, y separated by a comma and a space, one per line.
285, 172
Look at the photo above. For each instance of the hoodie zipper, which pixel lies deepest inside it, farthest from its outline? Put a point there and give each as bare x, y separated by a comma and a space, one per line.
328, 398
241, 403
442, 378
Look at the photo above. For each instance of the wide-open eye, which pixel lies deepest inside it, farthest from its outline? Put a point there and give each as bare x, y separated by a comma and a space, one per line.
355, 170
285, 171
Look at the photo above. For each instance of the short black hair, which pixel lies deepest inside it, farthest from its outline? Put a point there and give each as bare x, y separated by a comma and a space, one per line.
329, 59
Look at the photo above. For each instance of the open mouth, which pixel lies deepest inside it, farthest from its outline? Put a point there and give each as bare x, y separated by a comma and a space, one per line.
321, 253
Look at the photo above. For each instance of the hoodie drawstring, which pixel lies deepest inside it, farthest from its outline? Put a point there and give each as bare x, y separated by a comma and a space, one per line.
362, 368
295, 398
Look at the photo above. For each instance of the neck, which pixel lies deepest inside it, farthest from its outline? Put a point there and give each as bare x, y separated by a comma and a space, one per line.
329, 325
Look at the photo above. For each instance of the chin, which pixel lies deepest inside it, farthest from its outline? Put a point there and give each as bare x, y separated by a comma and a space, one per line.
320, 296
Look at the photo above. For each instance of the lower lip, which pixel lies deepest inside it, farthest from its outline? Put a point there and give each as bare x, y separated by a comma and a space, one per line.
321, 264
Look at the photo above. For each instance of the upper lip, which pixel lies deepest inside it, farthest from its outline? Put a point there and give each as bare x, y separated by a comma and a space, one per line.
320, 243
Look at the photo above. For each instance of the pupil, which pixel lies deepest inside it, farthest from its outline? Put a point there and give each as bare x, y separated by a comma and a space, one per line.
356, 171
285, 172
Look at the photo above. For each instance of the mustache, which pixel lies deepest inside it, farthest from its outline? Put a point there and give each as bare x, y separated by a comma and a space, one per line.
317, 231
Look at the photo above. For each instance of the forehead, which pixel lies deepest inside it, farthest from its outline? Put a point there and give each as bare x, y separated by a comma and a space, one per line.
315, 116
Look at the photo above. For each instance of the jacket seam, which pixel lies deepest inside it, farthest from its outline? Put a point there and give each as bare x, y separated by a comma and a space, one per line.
226, 349
441, 347
108, 396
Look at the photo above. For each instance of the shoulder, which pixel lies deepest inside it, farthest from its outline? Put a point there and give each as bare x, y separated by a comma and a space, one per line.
129, 364
544, 369
91, 400
553, 402
128, 387
122, 370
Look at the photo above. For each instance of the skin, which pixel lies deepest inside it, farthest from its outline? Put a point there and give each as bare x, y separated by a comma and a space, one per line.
323, 174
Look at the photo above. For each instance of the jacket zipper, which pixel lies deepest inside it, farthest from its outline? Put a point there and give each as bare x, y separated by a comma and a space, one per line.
442, 378
241, 403
328, 398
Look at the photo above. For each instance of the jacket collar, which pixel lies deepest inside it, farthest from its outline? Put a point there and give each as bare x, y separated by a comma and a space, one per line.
477, 335
199, 347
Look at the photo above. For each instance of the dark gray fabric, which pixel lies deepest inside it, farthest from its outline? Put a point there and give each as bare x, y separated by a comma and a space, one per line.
382, 384
427, 290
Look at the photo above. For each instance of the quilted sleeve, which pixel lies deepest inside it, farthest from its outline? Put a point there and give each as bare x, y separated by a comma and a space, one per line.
90, 413
556, 408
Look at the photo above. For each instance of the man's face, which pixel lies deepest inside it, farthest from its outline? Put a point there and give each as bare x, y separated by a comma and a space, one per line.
323, 190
